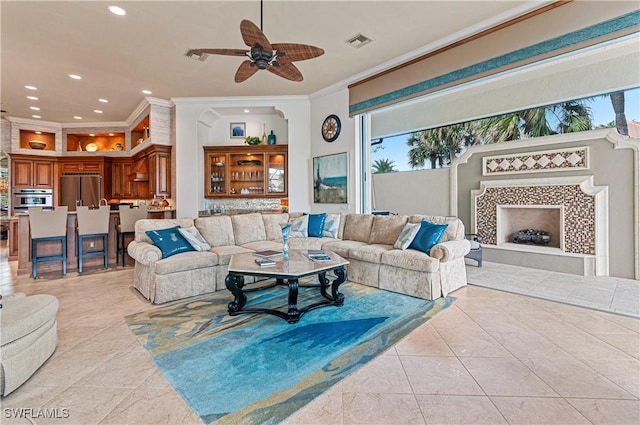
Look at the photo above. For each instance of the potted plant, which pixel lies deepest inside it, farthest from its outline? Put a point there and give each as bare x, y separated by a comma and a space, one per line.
252, 140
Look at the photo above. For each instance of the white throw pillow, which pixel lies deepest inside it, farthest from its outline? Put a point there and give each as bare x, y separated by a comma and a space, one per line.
331, 226
299, 227
407, 235
194, 237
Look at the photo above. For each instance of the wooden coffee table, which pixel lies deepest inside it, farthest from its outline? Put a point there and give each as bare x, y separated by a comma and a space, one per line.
286, 272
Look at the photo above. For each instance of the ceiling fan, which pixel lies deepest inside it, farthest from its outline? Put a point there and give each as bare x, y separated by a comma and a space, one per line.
274, 57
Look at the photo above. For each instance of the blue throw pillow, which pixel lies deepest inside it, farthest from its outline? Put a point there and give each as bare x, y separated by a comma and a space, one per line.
428, 235
316, 225
170, 241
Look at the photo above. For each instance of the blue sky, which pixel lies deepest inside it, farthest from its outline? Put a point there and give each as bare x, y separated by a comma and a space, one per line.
394, 148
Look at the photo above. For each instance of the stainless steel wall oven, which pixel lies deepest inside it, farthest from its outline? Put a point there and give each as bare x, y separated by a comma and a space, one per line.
25, 198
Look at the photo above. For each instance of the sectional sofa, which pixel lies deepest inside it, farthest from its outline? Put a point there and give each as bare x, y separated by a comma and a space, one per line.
365, 240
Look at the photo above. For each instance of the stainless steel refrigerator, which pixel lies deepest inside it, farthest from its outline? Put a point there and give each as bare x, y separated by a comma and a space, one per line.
80, 189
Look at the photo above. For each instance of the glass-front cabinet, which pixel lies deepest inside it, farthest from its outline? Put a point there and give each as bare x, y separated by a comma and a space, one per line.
245, 171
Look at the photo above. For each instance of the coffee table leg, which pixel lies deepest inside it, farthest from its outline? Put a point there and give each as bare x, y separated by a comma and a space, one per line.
336, 296
234, 284
341, 275
293, 315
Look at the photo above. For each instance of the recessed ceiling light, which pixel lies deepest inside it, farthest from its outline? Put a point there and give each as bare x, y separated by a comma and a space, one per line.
30, 87
97, 111
116, 10
147, 91
110, 134
36, 116
246, 110
34, 108
32, 97
103, 100
77, 117
38, 132
75, 77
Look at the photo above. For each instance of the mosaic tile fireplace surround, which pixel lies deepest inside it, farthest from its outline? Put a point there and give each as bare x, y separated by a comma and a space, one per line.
572, 208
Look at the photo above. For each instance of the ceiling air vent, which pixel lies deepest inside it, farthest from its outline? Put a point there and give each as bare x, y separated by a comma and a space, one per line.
196, 56
358, 41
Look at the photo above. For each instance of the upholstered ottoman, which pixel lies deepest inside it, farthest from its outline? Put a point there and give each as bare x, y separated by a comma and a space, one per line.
28, 337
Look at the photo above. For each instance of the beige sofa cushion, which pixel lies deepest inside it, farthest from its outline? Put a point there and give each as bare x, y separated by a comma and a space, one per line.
217, 230
387, 228
357, 227
369, 253
410, 259
454, 230
248, 228
225, 252
272, 224
342, 247
23, 315
186, 261
155, 224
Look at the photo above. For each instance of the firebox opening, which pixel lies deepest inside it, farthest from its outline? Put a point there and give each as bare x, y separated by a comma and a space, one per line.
548, 218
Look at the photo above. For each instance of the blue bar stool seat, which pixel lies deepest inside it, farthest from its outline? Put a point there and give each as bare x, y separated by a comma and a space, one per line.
93, 224
48, 225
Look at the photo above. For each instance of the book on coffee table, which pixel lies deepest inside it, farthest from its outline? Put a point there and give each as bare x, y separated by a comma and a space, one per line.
267, 253
265, 262
318, 257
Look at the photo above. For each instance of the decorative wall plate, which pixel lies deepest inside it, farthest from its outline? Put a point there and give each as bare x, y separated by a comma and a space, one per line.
91, 147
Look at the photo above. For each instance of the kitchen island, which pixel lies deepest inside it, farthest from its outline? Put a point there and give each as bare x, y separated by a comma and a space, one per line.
23, 239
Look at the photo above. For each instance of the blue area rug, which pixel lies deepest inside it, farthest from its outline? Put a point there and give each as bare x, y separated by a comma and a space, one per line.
258, 369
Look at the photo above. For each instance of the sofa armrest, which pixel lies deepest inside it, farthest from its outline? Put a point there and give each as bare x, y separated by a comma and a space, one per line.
144, 252
450, 250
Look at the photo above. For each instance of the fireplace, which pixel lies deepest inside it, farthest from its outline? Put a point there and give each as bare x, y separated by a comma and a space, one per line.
571, 209
513, 218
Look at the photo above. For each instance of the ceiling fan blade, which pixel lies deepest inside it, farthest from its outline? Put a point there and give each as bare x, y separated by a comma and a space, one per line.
245, 70
296, 52
286, 70
228, 52
252, 35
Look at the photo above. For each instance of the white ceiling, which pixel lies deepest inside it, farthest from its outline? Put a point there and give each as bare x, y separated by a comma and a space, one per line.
44, 42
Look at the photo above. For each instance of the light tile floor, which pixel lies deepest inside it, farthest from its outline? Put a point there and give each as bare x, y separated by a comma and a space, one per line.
612, 294
494, 357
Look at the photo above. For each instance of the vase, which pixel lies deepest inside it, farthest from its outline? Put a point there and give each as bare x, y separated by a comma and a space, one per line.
285, 239
263, 140
271, 138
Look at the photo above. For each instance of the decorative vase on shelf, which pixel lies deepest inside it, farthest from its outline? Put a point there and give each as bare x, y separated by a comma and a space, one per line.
264, 135
271, 138
285, 240
145, 135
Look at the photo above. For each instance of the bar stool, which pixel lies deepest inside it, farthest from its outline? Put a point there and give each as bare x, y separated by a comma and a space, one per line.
48, 225
93, 223
127, 226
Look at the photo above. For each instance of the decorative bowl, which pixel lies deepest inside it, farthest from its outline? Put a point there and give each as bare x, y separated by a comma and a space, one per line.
36, 144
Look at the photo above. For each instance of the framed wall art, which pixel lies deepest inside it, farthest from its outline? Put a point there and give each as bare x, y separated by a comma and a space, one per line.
237, 130
330, 179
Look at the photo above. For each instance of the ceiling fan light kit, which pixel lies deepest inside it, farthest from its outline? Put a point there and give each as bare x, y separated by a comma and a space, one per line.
276, 58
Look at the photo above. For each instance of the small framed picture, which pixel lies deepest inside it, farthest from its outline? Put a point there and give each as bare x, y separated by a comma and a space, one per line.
237, 130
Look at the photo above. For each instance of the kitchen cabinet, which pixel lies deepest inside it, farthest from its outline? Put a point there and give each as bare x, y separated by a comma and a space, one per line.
151, 172
81, 165
160, 171
246, 171
27, 172
121, 186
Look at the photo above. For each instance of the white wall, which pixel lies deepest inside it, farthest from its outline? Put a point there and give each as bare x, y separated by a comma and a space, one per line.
194, 124
336, 102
